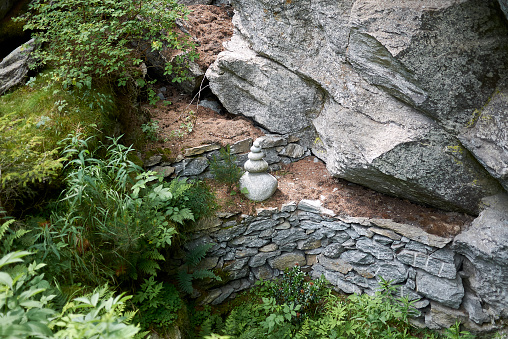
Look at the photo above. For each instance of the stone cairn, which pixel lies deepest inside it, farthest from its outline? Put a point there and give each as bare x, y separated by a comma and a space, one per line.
256, 183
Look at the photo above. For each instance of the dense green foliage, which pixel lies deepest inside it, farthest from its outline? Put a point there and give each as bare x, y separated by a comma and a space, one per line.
37, 117
284, 308
28, 310
106, 39
293, 288
114, 221
189, 271
158, 304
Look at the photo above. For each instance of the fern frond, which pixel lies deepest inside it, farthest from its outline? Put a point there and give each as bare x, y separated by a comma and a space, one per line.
21, 232
129, 315
5, 226
202, 274
185, 281
153, 254
149, 267
178, 187
181, 215
197, 254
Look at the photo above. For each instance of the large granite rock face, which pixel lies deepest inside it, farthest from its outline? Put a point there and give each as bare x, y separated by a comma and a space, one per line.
485, 246
383, 89
487, 136
264, 87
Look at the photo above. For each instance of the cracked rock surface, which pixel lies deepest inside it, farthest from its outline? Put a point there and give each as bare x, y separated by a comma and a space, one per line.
379, 91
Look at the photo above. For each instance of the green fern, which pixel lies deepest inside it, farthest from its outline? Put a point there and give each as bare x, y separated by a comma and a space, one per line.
179, 215
192, 259
185, 281
203, 274
158, 304
178, 187
5, 226
153, 254
8, 235
149, 267
240, 322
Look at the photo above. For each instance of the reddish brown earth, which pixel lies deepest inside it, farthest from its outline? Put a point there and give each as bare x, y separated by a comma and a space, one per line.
305, 179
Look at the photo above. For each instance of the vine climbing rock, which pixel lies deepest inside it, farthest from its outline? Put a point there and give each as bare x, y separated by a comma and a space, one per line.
256, 183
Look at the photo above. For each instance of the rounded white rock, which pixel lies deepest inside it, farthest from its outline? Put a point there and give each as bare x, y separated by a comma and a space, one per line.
258, 186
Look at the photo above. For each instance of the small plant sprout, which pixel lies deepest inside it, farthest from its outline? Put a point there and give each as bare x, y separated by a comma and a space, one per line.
151, 129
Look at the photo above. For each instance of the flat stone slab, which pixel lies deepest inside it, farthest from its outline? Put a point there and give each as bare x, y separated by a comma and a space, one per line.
288, 260
201, 149
242, 146
165, 171
314, 206
412, 232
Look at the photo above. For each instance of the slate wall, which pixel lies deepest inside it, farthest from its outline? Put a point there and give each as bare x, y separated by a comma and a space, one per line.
352, 253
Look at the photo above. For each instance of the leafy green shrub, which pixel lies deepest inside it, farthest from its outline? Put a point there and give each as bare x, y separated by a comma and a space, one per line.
202, 320
91, 39
158, 304
357, 316
114, 221
9, 236
224, 169
295, 288
26, 310
150, 129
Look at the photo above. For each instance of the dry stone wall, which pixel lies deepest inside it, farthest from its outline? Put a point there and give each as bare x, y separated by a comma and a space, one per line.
278, 150
355, 253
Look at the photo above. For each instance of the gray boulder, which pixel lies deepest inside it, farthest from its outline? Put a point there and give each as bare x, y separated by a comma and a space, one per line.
14, 67
487, 136
254, 86
485, 246
387, 87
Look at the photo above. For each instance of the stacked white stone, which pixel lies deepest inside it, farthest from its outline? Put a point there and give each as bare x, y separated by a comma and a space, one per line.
256, 184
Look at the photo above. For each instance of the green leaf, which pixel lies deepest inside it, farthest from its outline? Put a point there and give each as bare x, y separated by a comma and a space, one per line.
141, 82
13, 257
6, 279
